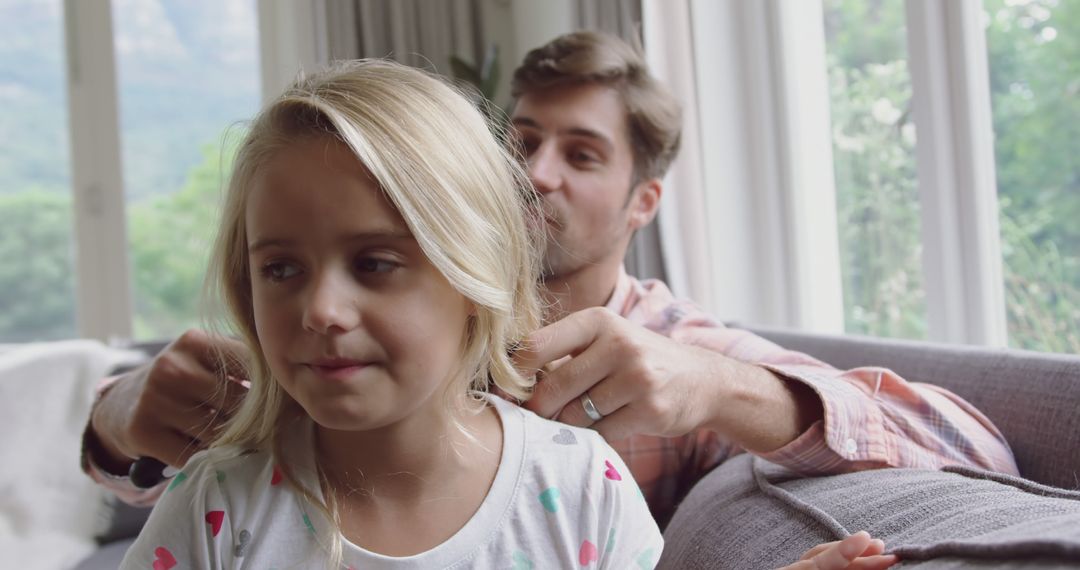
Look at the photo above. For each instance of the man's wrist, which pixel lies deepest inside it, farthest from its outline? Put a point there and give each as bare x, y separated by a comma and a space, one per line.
95, 449
761, 410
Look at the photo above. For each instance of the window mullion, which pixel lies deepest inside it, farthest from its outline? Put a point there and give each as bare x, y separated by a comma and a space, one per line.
101, 260
957, 182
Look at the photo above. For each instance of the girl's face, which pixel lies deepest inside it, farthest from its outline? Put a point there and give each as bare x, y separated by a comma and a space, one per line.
356, 324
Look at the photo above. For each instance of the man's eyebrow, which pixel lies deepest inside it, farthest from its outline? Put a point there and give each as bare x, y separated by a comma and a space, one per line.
378, 235
575, 131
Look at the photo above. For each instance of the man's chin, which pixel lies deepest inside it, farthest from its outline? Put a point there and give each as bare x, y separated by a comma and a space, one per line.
556, 269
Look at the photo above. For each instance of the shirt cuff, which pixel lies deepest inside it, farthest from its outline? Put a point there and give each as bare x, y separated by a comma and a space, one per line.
848, 438
120, 485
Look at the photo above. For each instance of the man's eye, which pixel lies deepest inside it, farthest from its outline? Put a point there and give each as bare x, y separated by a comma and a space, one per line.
527, 146
278, 271
374, 265
582, 157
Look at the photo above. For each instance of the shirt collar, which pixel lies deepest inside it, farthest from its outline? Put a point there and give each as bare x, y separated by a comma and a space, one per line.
621, 295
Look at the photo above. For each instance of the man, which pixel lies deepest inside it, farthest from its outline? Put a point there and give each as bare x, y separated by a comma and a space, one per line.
673, 390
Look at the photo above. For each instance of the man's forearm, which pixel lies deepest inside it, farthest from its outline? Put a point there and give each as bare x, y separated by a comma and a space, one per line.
759, 410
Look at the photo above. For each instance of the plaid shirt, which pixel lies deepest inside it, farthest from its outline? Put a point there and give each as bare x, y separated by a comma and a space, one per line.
873, 418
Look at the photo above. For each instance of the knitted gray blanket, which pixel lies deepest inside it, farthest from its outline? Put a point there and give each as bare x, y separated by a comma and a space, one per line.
749, 513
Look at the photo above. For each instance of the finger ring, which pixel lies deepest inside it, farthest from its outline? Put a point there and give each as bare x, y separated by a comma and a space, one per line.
590, 408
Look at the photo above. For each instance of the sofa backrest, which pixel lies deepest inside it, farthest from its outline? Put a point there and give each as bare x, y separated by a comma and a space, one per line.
1032, 397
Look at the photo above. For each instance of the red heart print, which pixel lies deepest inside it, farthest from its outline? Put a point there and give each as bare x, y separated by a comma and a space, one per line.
587, 553
215, 518
163, 559
611, 473
276, 477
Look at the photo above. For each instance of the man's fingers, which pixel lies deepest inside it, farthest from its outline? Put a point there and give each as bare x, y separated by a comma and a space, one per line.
175, 448
218, 354
607, 396
566, 337
229, 396
560, 388
619, 425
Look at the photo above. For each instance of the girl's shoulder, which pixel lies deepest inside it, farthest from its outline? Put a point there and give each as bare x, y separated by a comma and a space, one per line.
555, 449
542, 433
229, 472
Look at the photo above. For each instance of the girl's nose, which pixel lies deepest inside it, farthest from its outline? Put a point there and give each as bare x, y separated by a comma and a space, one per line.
332, 304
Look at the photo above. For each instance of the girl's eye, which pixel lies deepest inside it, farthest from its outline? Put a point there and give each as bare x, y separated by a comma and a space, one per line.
374, 265
582, 157
278, 271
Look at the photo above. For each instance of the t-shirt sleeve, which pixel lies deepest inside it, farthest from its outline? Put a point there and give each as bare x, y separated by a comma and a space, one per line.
188, 527
629, 537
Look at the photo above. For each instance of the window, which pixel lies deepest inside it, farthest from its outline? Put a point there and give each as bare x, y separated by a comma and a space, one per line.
187, 74
877, 194
187, 77
36, 289
1034, 58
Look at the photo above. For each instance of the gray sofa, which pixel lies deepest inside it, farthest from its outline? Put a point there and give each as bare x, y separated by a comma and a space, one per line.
749, 514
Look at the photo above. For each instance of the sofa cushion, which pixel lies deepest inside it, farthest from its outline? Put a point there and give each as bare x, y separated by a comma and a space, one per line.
749, 513
1033, 398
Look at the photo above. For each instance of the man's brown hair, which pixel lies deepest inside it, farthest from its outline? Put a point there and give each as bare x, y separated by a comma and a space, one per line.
654, 116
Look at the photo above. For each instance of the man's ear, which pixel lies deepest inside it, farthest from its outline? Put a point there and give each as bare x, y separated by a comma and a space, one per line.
646, 203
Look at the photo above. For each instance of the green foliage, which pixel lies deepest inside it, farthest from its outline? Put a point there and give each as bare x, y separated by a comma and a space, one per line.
170, 239
1034, 56
169, 236
36, 285
1034, 49
874, 157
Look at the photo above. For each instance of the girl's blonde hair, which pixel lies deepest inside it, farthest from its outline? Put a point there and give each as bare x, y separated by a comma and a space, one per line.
460, 190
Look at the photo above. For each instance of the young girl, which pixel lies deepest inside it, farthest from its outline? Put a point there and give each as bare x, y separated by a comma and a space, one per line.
376, 257
374, 254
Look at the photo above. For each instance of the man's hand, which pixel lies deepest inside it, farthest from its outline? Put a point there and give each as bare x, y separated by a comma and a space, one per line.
642, 382
856, 552
170, 408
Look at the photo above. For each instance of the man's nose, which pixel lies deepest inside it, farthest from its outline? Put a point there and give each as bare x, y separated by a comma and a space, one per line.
545, 169
332, 304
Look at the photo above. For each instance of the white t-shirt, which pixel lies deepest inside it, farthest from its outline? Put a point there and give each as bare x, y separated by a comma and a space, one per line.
562, 498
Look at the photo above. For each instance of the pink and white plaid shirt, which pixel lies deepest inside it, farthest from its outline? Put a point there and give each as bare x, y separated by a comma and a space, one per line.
873, 418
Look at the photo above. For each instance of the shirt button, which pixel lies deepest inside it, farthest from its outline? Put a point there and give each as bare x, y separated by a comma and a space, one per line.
850, 446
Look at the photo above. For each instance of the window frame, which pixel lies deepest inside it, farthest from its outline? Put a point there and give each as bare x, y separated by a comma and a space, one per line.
103, 289
793, 243
103, 300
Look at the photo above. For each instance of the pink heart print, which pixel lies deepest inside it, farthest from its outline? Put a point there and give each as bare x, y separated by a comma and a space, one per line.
611, 473
163, 559
588, 553
214, 518
276, 477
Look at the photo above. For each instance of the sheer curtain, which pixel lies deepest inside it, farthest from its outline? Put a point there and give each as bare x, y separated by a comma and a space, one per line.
421, 33
681, 227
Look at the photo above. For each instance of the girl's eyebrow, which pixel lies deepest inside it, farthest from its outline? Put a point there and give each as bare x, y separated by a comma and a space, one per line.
388, 235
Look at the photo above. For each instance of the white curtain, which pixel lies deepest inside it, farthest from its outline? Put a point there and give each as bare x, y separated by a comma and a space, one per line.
421, 33
683, 238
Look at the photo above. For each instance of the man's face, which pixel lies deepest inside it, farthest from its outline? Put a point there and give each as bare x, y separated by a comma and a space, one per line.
577, 144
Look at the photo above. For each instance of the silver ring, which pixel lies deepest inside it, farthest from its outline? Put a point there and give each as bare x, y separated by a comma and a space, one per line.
590, 408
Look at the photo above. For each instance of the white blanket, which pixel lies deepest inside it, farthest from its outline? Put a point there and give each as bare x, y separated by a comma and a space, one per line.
49, 510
